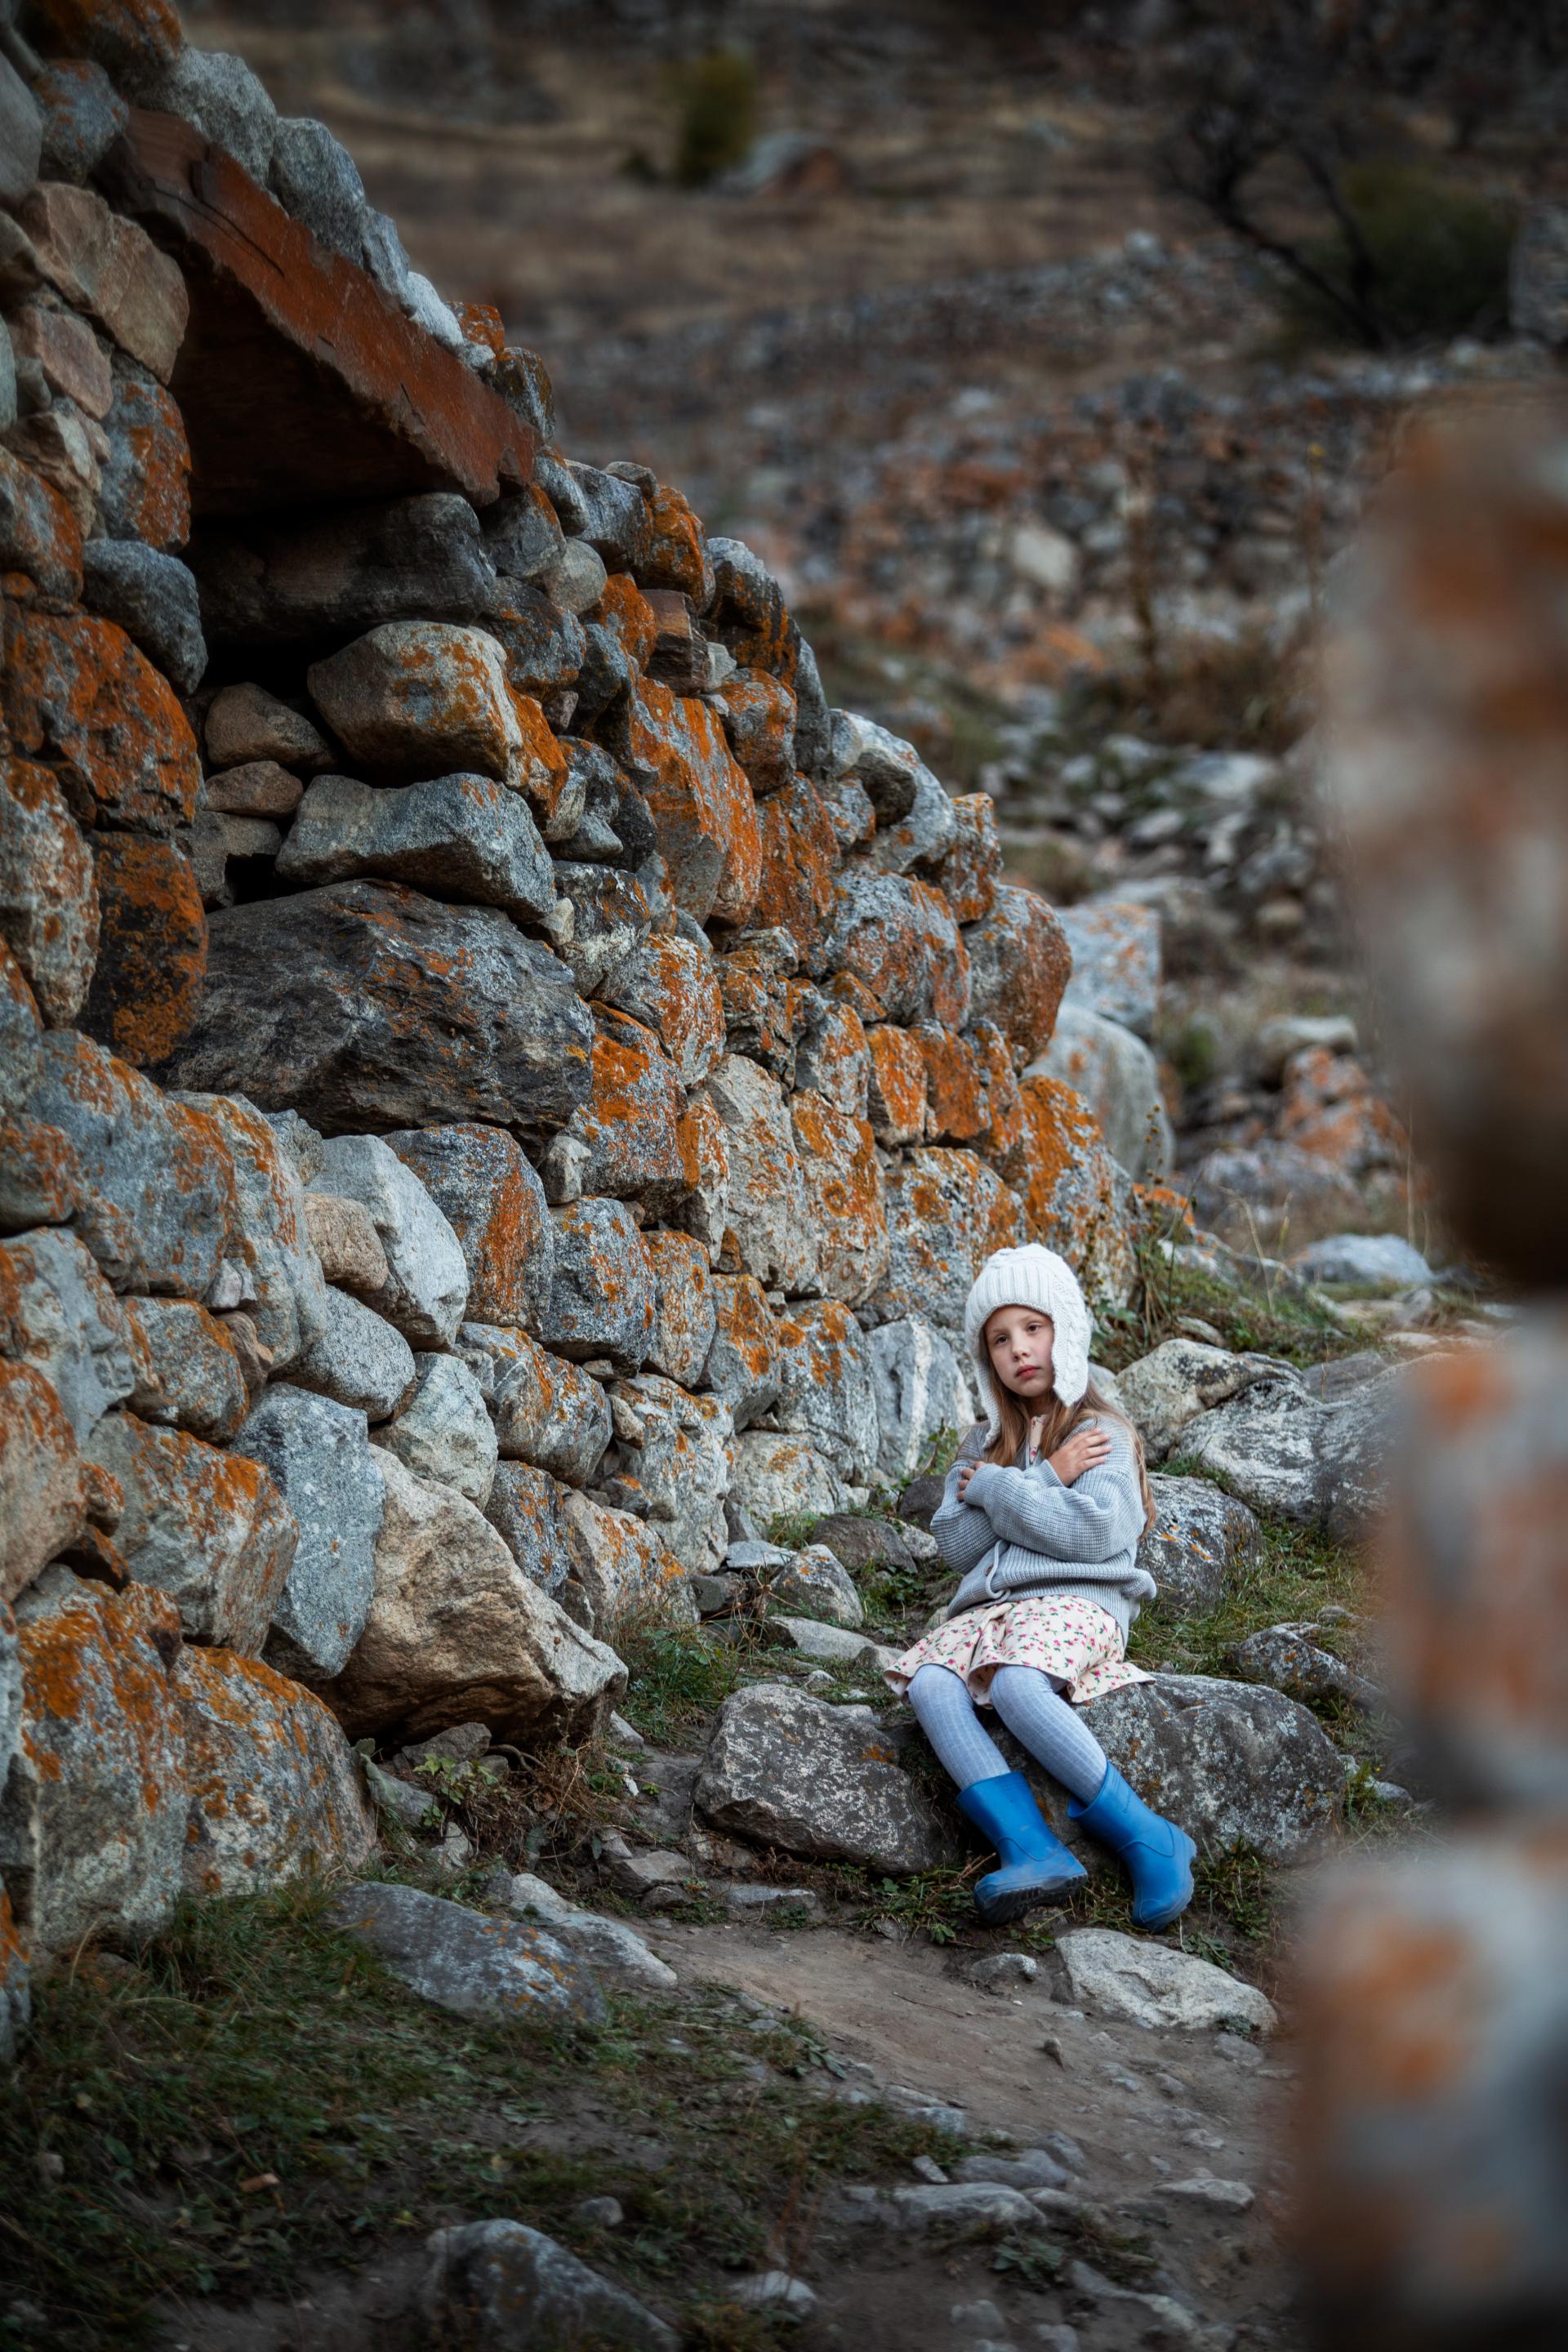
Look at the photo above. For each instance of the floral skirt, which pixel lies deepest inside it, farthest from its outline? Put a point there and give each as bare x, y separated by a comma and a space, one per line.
1075, 1642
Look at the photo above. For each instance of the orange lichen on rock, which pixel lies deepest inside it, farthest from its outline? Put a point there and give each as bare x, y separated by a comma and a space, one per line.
1004, 1103
844, 1196
628, 617
973, 866
152, 948
102, 1758
759, 720
42, 1505
1074, 1199
274, 1788
39, 536
896, 1090
80, 696
701, 803
631, 1118
684, 1309
674, 554
957, 1108
799, 859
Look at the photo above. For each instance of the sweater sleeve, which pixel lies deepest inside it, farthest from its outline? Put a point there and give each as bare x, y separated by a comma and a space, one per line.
963, 1535
1100, 1514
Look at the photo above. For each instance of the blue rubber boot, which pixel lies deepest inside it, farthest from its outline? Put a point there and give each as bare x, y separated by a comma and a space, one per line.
1034, 1863
1157, 1853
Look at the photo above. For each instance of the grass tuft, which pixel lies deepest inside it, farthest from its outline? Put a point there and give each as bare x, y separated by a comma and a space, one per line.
256, 2097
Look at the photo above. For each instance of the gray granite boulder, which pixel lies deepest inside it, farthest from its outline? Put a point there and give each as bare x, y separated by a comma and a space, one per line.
1320, 1466
365, 1006
506, 2288
1201, 1543
783, 1770
320, 1454
462, 1960
457, 836
155, 600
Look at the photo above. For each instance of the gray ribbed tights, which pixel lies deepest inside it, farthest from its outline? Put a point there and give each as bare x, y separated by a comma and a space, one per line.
1033, 1711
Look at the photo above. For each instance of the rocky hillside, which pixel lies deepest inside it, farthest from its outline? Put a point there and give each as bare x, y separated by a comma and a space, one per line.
506, 1090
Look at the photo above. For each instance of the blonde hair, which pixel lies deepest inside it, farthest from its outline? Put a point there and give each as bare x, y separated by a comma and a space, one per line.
1058, 1421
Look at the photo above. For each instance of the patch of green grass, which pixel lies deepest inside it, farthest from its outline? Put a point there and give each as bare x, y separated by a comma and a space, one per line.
937, 1902
1294, 1575
256, 2098
679, 1676
790, 1530
1268, 1322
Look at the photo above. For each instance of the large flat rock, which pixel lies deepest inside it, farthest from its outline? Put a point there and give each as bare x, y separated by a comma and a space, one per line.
299, 379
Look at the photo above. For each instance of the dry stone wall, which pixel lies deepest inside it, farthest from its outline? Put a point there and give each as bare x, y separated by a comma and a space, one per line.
501, 1082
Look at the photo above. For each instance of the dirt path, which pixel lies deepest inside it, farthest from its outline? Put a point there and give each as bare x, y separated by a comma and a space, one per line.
1147, 2109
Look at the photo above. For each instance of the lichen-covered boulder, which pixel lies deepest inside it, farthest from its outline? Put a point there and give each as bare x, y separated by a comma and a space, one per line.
282, 1281
1020, 962
92, 1833
357, 1358
527, 1508
702, 804
799, 860
546, 1409
957, 1091
920, 1391
274, 1789
786, 1770
814, 1583
704, 1210
209, 1528
778, 1477
625, 1566
947, 1211
768, 1212
832, 1058
968, 875
827, 1389
42, 1504
1167, 1389
1231, 1762
670, 1463
759, 723
924, 834
457, 1633
76, 693
1003, 1102
896, 1083
1115, 1074
495, 1204
455, 836
900, 940
602, 1301
365, 1006
743, 1365
194, 1379
686, 1317
48, 895
1116, 955
671, 985
417, 699
629, 1122
1318, 1465
465, 1962
157, 1194
58, 1314
842, 1181
318, 1453
426, 1292
1074, 1197
611, 919
1200, 1547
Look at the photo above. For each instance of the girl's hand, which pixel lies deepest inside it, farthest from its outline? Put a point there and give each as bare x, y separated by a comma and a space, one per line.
1086, 1449
964, 1476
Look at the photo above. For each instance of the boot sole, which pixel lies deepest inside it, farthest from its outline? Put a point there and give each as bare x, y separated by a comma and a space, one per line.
1025, 1898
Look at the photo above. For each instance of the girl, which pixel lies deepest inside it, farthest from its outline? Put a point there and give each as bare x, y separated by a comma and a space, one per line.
1043, 1511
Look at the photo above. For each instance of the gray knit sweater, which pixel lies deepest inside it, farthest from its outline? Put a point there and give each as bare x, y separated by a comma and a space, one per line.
1020, 1532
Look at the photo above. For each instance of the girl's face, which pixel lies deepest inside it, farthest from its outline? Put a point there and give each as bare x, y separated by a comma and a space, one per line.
1019, 1341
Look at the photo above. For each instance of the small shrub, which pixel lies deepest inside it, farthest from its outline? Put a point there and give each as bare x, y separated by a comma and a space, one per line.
1437, 256
716, 115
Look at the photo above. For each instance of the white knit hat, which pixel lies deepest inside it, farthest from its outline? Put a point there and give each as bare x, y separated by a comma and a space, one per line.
1037, 1277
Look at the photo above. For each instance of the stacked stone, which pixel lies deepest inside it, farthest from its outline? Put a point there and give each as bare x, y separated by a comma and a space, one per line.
1433, 1997
499, 1077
